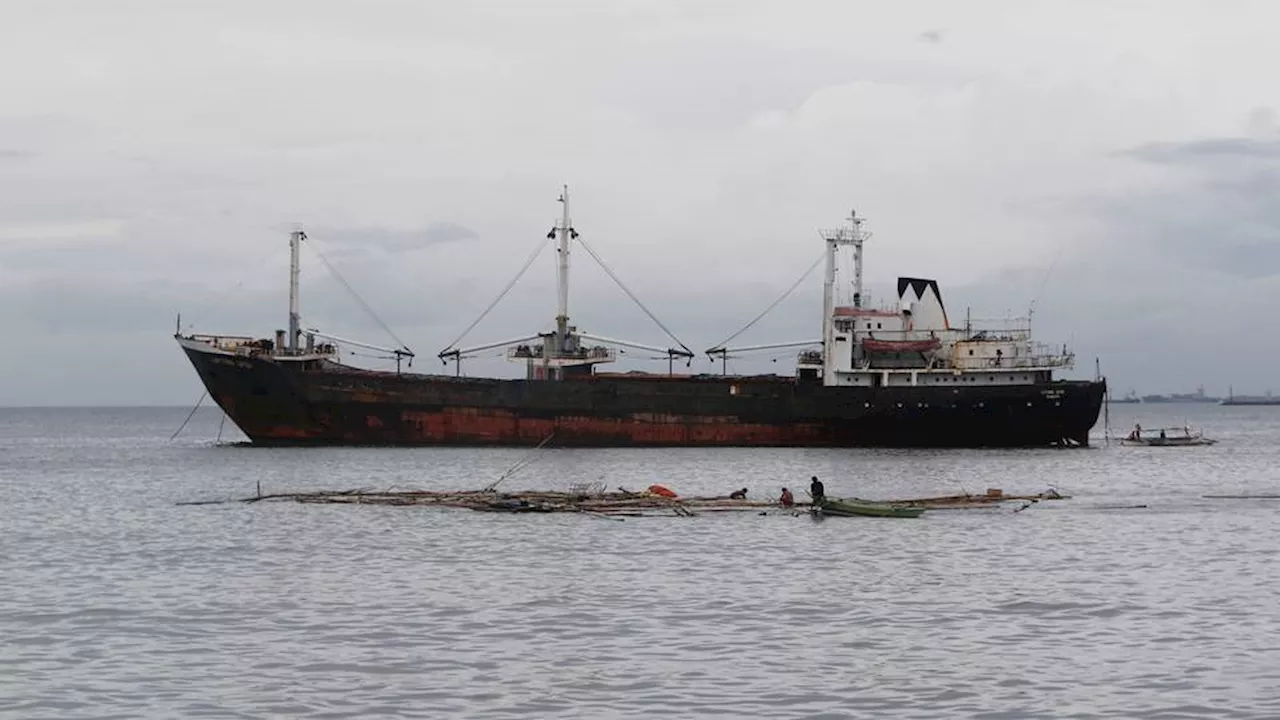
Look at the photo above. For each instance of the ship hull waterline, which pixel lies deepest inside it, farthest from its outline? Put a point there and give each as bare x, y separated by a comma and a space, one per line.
281, 402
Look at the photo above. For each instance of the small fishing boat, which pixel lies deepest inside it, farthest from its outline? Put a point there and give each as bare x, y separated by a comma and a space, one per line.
1184, 436
851, 507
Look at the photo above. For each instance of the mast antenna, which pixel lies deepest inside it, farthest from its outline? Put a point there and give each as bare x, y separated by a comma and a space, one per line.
564, 230
295, 241
856, 238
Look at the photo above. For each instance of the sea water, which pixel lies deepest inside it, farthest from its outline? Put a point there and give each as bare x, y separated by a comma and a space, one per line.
1137, 597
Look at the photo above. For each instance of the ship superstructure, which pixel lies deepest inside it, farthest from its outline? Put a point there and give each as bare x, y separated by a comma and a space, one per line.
912, 343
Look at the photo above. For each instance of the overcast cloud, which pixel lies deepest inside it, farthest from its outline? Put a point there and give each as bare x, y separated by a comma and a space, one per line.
1116, 164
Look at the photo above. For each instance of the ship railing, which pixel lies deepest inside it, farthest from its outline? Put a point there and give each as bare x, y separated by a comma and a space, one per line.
997, 334
598, 353
1017, 324
970, 334
242, 344
1023, 362
810, 357
309, 350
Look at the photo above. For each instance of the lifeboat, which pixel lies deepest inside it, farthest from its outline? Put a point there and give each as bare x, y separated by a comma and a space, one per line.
901, 346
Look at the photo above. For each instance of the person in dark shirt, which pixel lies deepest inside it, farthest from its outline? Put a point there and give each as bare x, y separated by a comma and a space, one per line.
816, 490
738, 494
786, 500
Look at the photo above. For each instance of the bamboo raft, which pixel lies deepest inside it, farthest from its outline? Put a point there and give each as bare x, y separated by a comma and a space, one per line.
623, 502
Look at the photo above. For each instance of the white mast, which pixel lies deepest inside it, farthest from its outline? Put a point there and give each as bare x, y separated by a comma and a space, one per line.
856, 227
564, 229
849, 235
295, 242
829, 300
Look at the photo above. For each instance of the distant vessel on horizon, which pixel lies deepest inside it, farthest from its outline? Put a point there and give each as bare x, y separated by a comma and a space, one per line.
1233, 399
1196, 397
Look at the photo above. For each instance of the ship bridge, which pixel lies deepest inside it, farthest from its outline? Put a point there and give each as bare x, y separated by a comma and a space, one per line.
912, 342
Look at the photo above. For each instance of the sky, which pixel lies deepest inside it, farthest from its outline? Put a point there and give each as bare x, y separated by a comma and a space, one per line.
1113, 167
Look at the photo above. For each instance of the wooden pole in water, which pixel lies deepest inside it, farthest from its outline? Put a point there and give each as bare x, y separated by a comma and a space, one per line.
1106, 405
1106, 419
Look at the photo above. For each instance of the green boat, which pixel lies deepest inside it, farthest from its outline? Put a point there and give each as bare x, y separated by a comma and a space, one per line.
850, 507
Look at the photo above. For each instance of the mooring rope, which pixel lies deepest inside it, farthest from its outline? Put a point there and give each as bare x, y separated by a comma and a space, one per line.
189, 415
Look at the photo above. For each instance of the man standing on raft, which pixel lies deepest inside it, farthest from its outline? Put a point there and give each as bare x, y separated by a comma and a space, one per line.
817, 491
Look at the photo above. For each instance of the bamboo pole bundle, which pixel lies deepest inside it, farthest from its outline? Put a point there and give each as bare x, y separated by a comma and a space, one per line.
602, 503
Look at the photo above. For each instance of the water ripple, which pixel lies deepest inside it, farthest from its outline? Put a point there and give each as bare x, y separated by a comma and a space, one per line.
116, 603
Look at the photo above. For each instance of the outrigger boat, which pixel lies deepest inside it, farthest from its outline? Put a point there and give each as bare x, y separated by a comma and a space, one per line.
851, 507
1183, 436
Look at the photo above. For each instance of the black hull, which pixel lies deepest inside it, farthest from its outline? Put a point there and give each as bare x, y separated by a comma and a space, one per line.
319, 403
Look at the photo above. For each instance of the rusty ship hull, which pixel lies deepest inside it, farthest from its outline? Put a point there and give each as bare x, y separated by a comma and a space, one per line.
321, 402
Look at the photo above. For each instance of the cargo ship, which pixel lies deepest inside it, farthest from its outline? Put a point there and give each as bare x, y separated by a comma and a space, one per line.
900, 375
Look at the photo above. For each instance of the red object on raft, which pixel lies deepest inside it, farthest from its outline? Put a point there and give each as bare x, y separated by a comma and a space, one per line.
662, 490
871, 345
